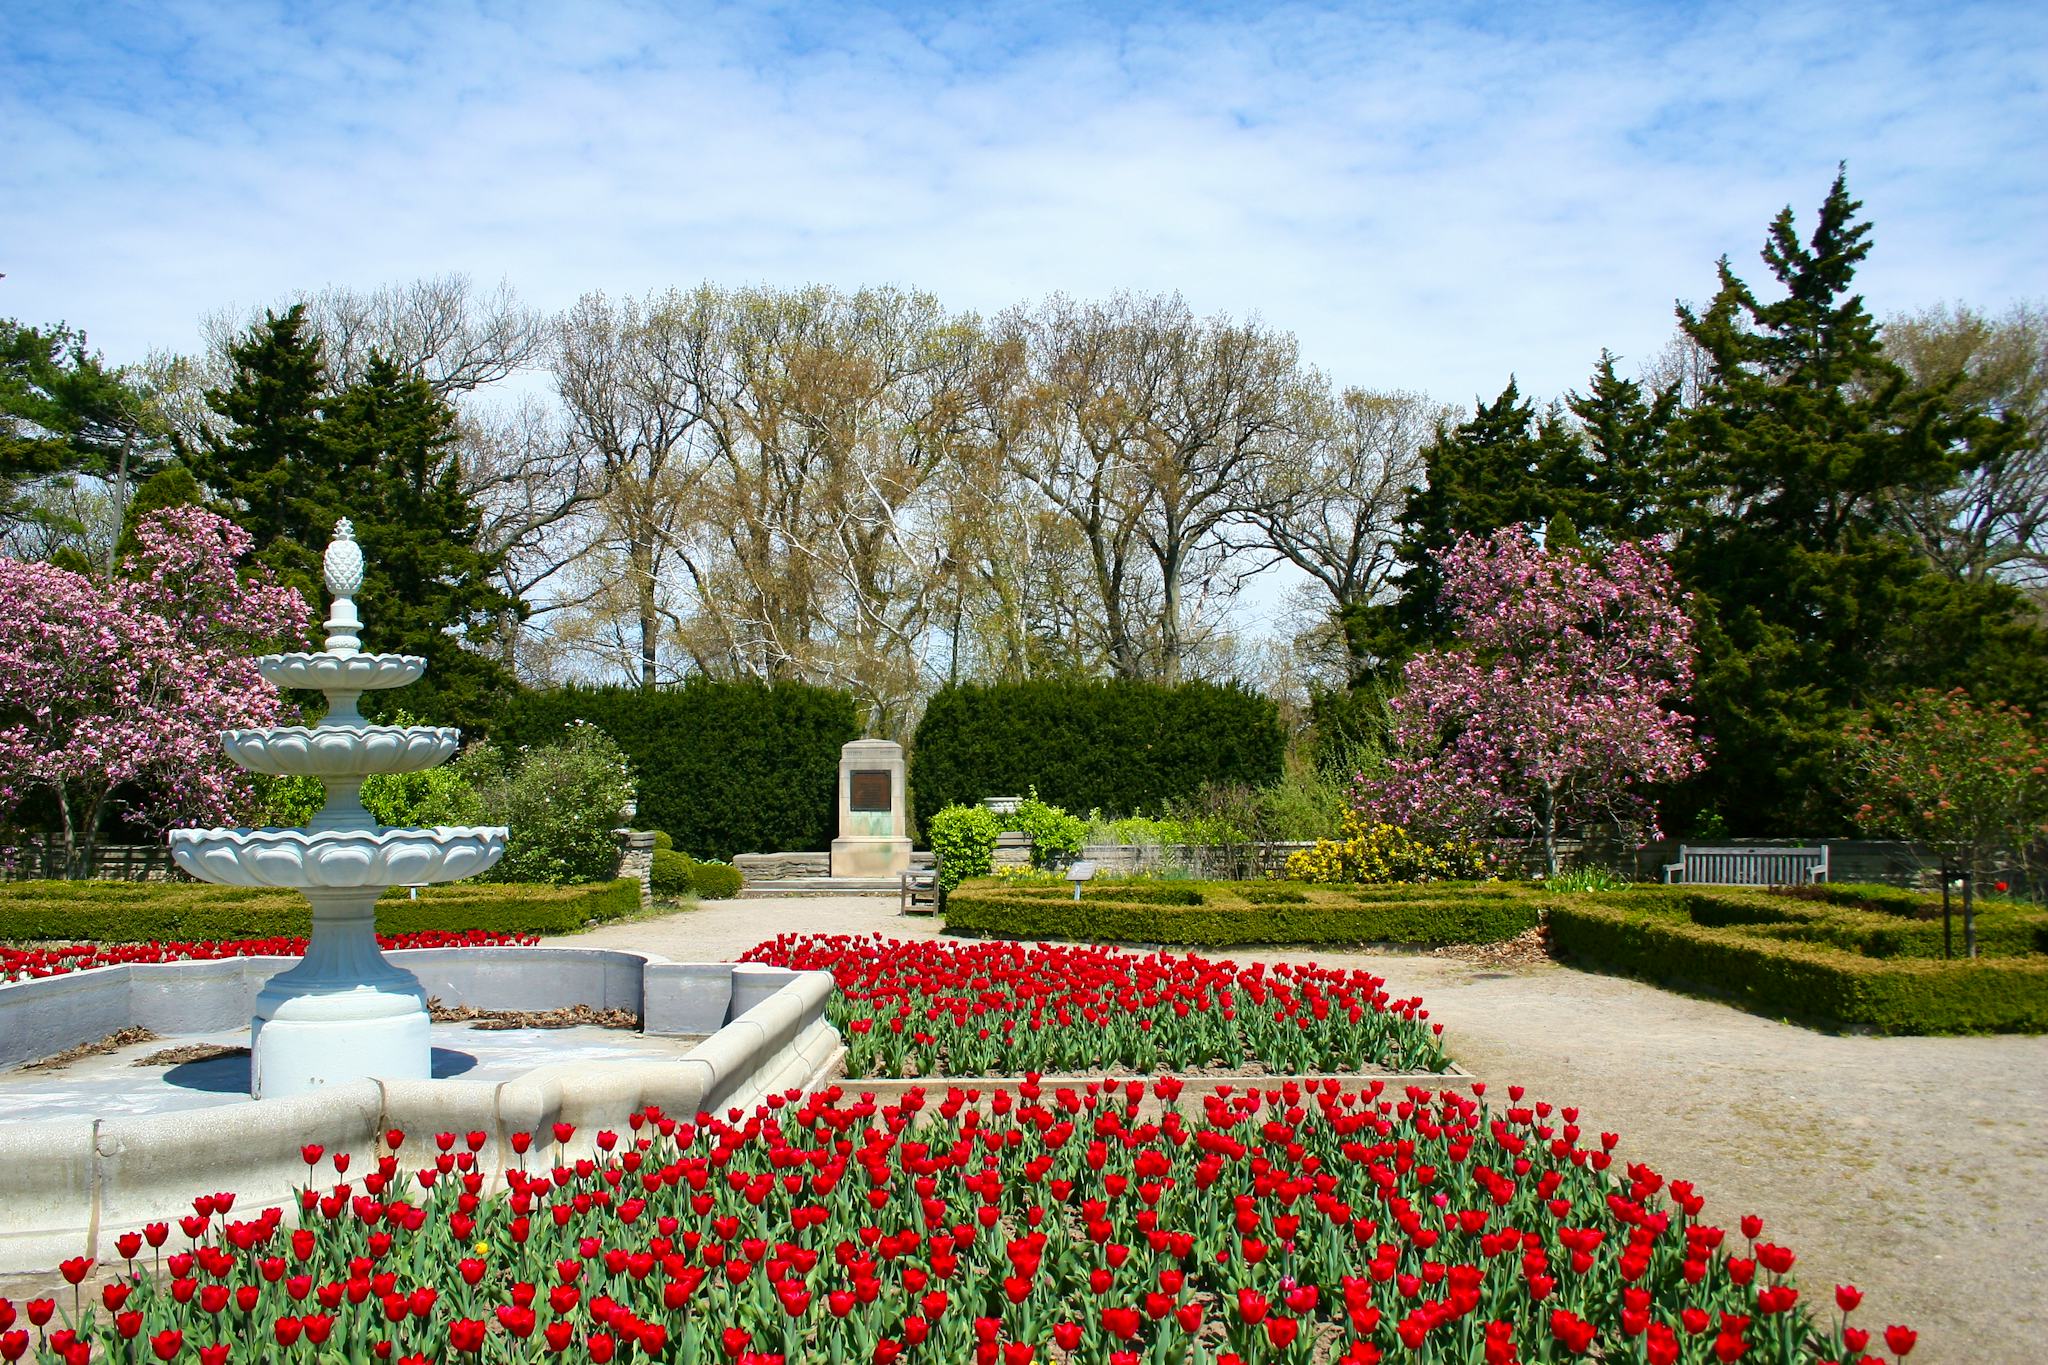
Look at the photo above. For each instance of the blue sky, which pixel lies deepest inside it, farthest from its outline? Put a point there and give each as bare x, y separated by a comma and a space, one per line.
1430, 196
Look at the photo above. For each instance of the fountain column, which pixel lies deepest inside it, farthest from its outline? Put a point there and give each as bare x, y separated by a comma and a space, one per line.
344, 1012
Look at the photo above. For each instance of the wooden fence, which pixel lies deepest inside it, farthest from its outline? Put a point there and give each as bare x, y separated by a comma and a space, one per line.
40, 859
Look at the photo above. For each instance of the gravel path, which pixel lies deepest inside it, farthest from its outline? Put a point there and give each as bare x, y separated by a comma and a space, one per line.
1916, 1168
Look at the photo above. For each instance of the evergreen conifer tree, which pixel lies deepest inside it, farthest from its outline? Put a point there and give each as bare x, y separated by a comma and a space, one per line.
431, 583
1638, 490
1506, 465
1809, 608
297, 457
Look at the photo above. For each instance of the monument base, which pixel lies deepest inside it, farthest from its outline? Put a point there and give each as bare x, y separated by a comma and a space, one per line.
870, 857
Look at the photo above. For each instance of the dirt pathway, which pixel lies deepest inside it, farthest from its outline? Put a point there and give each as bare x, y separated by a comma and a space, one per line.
1916, 1168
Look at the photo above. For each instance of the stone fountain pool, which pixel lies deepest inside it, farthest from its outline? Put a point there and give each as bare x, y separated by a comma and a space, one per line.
340, 1046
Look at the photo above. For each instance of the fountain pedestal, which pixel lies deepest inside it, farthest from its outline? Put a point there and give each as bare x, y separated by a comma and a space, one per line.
344, 1012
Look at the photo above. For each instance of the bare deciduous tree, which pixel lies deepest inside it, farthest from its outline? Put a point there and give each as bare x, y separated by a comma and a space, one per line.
1333, 510
1995, 522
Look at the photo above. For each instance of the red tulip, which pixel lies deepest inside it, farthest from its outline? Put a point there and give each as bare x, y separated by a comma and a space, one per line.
167, 1343
1900, 1340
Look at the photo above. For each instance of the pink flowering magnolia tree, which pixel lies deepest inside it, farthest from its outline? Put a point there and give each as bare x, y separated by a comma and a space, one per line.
117, 691
1556, 707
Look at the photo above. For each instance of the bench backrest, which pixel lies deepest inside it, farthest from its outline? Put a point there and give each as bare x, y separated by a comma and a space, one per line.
1751, 866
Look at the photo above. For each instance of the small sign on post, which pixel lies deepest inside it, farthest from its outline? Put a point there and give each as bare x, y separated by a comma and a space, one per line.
1079, 872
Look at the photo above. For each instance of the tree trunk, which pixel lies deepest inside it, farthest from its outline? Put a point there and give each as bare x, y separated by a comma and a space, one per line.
641, 557
1550, 832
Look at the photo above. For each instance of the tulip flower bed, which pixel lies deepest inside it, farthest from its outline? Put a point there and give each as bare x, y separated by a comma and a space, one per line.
1104, 1226
977, 1009
20, 964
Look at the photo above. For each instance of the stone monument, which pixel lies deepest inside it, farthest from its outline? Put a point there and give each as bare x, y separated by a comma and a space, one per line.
872, 838
344, 1012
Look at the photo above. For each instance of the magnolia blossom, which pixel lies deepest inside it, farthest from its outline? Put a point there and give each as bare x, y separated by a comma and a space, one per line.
124, 686
1558, 704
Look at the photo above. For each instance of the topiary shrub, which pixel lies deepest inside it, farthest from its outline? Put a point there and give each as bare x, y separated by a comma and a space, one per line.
1056, 837
715, 881
670, 875
964, 838
662, 843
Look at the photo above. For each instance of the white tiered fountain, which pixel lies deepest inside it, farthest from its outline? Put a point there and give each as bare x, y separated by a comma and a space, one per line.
344, 1012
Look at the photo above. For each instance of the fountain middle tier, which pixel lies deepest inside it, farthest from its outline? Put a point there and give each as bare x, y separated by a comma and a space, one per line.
337, 857
333, 751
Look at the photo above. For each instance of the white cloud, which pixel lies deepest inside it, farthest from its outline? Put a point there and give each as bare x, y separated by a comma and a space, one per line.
1428, 199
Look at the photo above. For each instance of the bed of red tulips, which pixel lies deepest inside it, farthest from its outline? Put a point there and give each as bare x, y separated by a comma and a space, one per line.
927, 1008
1284, 1225
19, 964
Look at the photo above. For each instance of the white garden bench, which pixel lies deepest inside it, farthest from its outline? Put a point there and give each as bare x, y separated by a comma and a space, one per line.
1748, 866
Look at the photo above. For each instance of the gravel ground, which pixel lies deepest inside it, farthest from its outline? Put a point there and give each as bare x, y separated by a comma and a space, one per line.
1916, 1168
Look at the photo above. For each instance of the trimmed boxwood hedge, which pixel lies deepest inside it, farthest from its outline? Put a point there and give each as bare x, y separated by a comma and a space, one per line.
1798, 959
143, 912
1224, 914
723, 767
1118, 745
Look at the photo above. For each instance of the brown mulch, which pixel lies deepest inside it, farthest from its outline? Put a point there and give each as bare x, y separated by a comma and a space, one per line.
192, 1052
572, 1016
1523, 950
113, 1042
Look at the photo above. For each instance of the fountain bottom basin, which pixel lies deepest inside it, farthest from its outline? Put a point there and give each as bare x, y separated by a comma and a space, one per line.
76, 1173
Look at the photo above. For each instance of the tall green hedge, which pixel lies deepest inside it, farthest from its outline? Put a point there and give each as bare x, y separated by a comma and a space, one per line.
1118, 746
723, 767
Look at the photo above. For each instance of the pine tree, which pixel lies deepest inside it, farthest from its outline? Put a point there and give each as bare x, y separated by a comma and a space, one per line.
431, 584
1808, 607
1638, 487
273, 464
297, 457
171, 486
1506, 465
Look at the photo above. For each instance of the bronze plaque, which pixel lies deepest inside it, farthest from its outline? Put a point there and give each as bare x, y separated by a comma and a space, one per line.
868, 789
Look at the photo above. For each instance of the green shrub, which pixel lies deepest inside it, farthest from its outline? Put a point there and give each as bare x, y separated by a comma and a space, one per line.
670, 875
561, 802
143, 912
1223, 914
1835, 966
1365, 852
1089, 745
662, 843
1056, 837
715, 881
725, 767
964, 838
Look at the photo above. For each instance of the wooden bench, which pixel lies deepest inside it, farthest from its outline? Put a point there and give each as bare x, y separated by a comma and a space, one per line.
1748, 866
921, 888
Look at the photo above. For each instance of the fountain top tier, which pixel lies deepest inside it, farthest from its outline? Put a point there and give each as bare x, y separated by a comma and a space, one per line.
343, 847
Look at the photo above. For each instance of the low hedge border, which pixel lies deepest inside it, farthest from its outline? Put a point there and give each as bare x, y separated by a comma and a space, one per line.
144, 912
1816, 981
1219, 915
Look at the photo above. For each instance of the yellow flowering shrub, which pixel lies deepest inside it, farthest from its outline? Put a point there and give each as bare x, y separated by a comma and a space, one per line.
1365, 852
